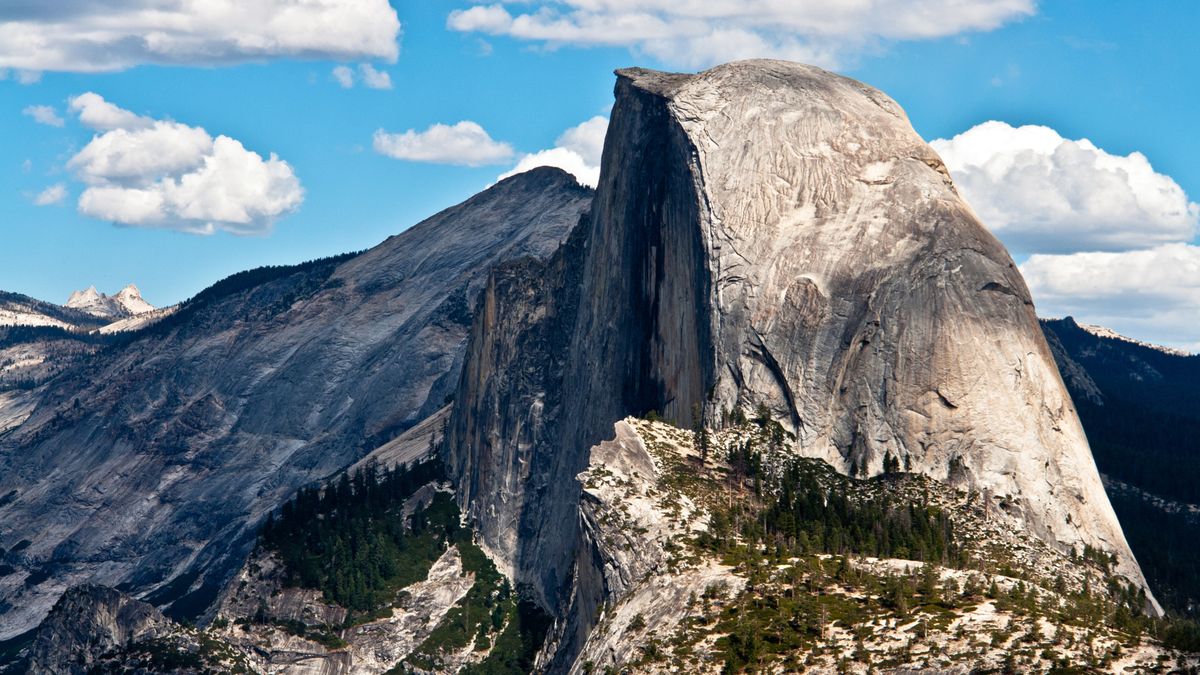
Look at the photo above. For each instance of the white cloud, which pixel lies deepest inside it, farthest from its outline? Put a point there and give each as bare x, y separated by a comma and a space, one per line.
464, 144
374, 79
560, 157
344, 76
371, 78
43, 114
51, 195
1042, 193
156, 173
703, 32
481, 18
119, 34
577, 151
95, 112
586, 140
128, 156
1151, 294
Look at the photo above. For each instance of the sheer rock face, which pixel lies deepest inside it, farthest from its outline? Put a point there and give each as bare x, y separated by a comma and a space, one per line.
149, 466
88, 621
769, 233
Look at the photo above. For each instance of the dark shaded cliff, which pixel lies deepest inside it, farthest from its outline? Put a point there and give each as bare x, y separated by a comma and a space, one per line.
1140, 406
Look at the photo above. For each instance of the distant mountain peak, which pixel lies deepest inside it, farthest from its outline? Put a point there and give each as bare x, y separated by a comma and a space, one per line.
1104, 332
126, 302
80, 298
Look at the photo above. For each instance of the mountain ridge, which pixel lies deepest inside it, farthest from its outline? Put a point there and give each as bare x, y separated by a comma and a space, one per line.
198, 424
1139, 407
769, 397
124, 303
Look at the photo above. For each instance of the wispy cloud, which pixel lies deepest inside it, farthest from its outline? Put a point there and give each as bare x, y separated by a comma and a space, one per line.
54, 194
344, 76
43, 114
371, 77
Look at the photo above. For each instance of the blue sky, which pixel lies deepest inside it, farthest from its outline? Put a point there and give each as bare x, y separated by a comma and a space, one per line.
1121, 75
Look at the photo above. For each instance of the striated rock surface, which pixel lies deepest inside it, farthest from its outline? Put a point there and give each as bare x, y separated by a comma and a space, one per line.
148, 466
88, 621
768, 233
638, 576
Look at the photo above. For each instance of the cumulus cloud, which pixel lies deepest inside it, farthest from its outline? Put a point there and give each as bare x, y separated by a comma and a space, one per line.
118, 34
463, 144
51, 195
95, 112
128, 156
1151, 294
144, 172
1108, 237
43, 114
698, 33
576, 151
1042, 193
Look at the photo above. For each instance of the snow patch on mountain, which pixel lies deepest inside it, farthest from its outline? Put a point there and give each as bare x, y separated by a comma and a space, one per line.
19, 316
137, 321
1101, 331
127, 302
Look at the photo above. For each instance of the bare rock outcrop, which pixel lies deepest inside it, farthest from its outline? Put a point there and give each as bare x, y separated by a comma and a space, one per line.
768, 234
88, 621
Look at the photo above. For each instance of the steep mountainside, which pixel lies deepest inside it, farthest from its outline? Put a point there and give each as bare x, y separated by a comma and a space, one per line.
765, 234
22, 310
1140, 406
770, 400
720, 551
148, 466
38, 340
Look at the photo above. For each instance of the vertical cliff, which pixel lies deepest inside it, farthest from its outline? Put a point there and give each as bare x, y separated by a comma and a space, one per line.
768, 234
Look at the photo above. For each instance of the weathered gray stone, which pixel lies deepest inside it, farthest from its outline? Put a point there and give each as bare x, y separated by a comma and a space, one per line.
88, 621
150, 465
767, 233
